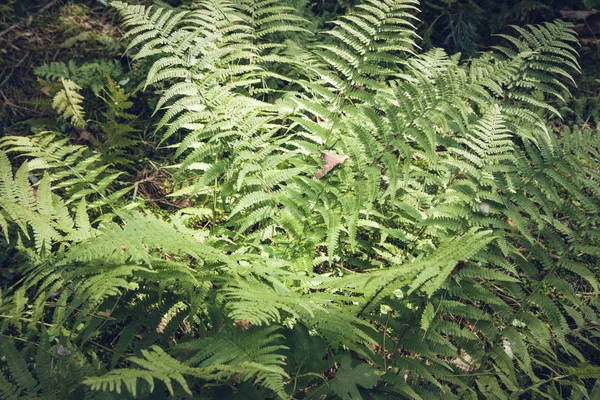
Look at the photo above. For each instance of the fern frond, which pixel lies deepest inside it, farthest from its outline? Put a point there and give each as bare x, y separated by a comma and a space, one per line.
69, 167
67, 102
157, 365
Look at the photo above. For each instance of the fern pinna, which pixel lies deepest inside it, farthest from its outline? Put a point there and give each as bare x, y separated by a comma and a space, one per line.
368, 221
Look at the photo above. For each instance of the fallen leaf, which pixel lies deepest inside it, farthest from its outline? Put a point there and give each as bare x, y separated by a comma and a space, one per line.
331, 160
243, 324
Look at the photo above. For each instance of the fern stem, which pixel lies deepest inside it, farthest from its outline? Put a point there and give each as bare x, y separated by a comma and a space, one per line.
214, 206
553, 379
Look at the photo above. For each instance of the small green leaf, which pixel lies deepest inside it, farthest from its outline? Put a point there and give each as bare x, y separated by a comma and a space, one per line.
345, 382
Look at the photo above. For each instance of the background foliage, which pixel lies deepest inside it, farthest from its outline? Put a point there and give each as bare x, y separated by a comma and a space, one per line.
286, 200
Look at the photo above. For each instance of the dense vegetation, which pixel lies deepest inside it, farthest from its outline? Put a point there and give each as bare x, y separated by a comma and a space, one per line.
326, 213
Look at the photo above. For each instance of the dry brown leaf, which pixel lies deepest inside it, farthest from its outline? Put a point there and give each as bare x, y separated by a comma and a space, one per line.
331, 160
466, 364
243, 324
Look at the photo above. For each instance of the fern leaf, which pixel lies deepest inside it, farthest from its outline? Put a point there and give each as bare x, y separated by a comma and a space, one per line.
67, 102
18, 367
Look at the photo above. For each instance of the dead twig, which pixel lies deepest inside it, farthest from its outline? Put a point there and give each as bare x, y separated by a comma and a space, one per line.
12, 69
18, 24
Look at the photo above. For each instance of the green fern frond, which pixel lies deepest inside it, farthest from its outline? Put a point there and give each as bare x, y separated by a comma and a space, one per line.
57, 372
270, 18
89, 74
157, 365
67, 102
37, 208
71, 169
135, 239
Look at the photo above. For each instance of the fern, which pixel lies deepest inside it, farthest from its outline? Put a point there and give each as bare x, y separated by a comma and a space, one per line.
40, 215
117, 138
58, 369
70, 168
85, 75
408, 218
67, 102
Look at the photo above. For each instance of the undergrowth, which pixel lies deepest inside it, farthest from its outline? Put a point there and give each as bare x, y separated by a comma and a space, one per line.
363, 219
